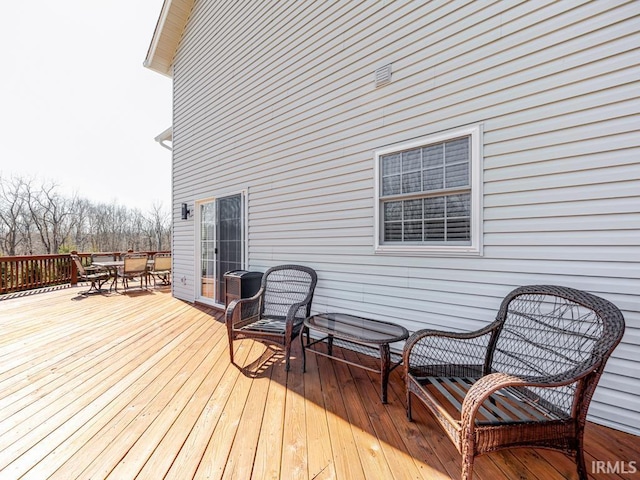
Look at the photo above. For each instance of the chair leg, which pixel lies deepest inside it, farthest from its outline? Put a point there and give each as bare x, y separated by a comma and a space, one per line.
287, 354
95, 287
580, 463
230, 336
467, 459
467, 470
409, 416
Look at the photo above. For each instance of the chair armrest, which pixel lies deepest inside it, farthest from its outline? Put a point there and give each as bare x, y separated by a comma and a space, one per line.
489, 384
291, 313
437, 352
243, 309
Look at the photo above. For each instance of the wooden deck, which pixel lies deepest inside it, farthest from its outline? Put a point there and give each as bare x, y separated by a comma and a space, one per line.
140, 386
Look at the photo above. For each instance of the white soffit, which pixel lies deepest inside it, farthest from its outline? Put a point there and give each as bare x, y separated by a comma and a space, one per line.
166, 37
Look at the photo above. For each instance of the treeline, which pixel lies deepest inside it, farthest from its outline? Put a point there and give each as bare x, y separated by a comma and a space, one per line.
36, 219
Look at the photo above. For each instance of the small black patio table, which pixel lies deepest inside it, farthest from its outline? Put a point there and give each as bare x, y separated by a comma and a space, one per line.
352, 331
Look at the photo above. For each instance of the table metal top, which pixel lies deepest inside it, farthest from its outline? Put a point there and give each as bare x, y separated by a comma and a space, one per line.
358, 329
115, 263
107, 264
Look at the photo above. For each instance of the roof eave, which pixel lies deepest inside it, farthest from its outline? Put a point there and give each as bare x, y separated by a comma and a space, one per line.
167, 35
165, 137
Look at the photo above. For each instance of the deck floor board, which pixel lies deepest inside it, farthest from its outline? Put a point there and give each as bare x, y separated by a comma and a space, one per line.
139, 386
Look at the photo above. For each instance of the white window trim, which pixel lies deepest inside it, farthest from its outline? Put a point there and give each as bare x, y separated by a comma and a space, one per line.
475, 248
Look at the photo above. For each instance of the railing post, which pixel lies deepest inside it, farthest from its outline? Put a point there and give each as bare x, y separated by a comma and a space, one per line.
74, 270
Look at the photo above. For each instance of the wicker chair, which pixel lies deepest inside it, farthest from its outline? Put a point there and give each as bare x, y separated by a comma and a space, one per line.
525, 380
274, 314
97, 277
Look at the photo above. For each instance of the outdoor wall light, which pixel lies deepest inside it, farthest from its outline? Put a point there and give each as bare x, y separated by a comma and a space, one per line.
185, 211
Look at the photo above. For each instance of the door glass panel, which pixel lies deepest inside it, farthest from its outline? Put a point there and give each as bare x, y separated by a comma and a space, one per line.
207, 250
229, 238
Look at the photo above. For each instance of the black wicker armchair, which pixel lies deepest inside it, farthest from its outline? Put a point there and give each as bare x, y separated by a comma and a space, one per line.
274, 314
526, 380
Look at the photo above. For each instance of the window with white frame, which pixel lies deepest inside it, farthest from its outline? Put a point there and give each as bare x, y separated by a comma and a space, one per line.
428, 194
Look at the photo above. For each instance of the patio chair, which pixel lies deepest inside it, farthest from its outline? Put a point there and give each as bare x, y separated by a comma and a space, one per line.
123, 254
161, 268
275, 314
135, 265
97, 278
102, 257
99, 257
525, 380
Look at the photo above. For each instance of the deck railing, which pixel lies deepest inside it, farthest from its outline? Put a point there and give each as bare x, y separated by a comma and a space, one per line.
28, 272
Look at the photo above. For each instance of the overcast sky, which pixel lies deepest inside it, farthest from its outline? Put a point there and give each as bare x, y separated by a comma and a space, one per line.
76, 105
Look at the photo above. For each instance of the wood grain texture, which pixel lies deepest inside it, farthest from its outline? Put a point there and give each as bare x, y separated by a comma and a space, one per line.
140, 386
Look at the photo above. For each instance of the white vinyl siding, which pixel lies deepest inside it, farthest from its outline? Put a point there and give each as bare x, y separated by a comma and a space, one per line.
279, 99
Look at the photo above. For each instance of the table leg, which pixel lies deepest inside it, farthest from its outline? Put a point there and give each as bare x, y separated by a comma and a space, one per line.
385, 363
330, 344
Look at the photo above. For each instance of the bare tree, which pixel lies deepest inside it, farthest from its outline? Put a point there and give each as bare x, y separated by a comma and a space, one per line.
35, 219
28, 245
12, 210
80, 225
160, 225
135, 230
101, 225
51, 215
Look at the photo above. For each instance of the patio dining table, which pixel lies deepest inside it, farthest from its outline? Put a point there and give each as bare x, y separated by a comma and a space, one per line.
113, 266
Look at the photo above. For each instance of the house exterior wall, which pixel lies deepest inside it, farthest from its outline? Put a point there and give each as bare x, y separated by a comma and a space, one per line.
278, 98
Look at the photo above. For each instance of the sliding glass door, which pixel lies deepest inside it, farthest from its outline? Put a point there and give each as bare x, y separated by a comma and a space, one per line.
222, 244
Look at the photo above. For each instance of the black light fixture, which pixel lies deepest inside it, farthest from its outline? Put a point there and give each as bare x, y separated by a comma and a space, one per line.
185, 211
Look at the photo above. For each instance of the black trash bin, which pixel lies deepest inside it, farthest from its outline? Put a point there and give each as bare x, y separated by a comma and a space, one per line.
240, 284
